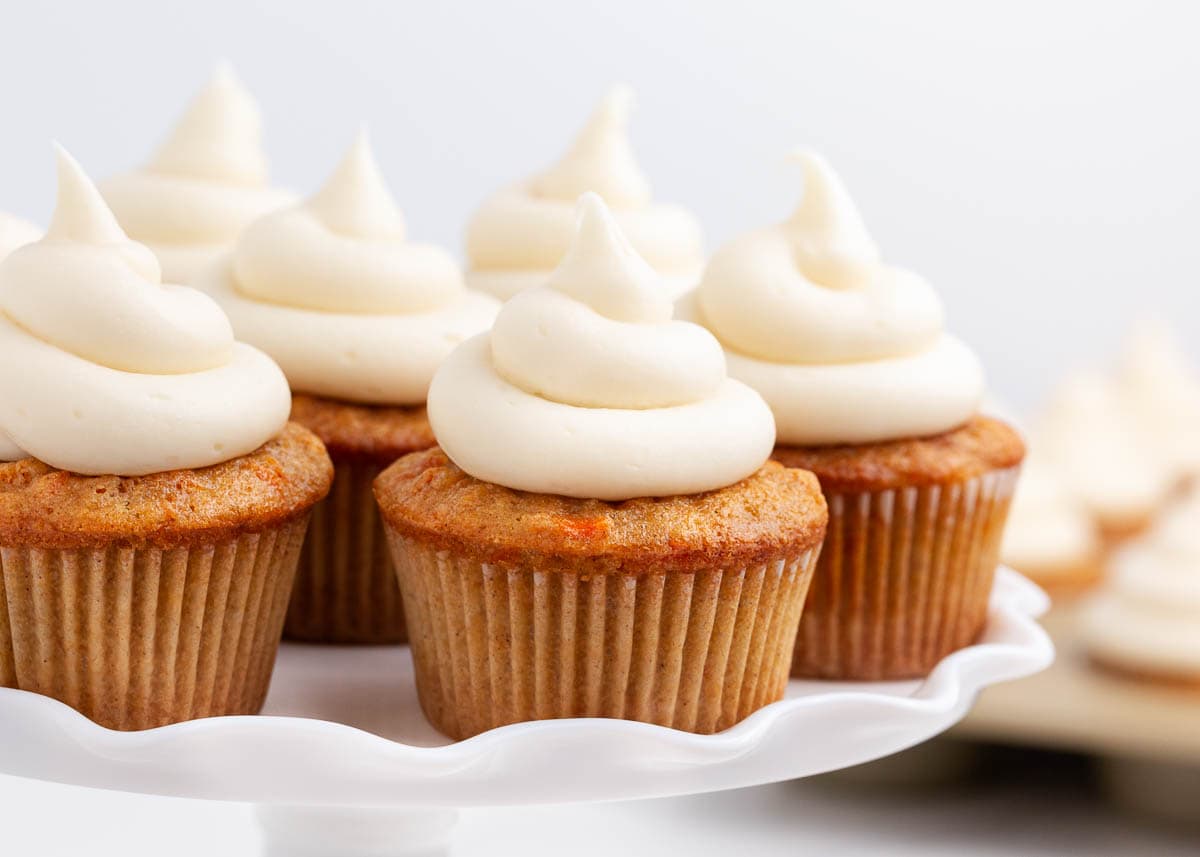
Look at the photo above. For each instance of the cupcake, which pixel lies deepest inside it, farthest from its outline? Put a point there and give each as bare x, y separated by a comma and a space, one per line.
1145, 623
153, 496
205, 184
1050, 537
871, 395
358, 317
15, 232
598, 534
520, 234
1160, 392
1089, 432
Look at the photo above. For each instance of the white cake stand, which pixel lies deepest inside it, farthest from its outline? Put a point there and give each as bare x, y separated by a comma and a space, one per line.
343, 763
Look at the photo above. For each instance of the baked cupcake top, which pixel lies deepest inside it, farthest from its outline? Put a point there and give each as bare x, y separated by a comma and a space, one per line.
119, 373
1161, 392
1088, 431
845, 348
1148, 616
205, 184
1048, 528
586, 387
334, 291
16, 232
519, 235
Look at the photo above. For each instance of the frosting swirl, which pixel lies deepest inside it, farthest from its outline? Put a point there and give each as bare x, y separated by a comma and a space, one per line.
520, 234
587, 388
16, 232
1048, 529
335, 293
204, 186
120, 374
1148, 616
844, 348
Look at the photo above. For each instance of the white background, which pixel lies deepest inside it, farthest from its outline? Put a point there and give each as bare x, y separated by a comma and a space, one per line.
1036, 160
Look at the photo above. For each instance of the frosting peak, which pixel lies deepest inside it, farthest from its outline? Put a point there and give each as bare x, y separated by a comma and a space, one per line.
602, 270
332, 290
120, 373
587, 388
219, 136
600, 160
355, 200
845, 348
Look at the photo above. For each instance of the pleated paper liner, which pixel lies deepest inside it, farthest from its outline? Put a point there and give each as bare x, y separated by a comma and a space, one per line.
698, 652
903, 579
138, 638
346, 590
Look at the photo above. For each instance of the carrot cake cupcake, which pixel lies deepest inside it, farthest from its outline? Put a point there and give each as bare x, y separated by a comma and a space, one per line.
600, 533
153, 496
875, 398
520, 234
1050, 537
359, 318
15, 232
1145, 623
205, 184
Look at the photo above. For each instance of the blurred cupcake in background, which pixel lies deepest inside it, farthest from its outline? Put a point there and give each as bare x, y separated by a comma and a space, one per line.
16, 232
1050, 536
359, 317
1145, 623
203, 186
1090, 435
1161, 393
520, 234
153, 495
870, 393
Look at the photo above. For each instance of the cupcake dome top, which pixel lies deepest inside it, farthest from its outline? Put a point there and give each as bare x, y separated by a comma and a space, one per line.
333, 290
16, 232
521, 233
587, 388
845, 348
121, 374
205, 184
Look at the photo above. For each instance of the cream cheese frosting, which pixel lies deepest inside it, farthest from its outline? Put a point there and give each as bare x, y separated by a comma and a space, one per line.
121, 374
586, 387
16, 232
334, 291
1161, 392
520, 234
1088, 433
845, 348
205, 184
1048, 528
1148, 616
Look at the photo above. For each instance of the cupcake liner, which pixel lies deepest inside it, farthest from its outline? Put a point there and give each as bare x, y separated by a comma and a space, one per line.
138, 638
903, 579
346, 590
695, 651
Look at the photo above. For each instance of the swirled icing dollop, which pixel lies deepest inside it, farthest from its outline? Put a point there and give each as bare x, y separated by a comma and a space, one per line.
335, 293
1088, 432
1048, 528
16, 232
844, 348
1161, 392
1148, 616
519, 235
204, 185
587, 388
120, 374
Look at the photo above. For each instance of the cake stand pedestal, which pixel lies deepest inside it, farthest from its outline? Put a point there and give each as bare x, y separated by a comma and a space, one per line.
343, 764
